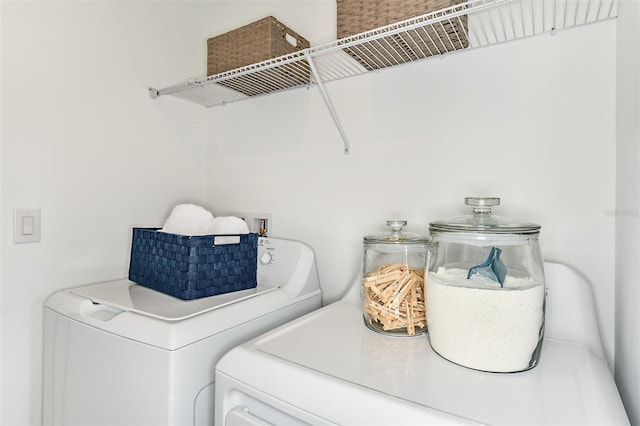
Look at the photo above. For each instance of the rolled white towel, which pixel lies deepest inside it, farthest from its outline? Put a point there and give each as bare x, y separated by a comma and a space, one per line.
228, 225
188, 219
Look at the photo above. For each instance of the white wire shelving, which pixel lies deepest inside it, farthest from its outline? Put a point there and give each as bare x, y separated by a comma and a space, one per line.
464, 26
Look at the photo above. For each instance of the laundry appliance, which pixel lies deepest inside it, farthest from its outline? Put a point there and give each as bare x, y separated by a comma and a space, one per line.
117, 353
328, 368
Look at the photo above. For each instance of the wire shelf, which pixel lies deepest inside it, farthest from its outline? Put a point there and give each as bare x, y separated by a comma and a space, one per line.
469, 25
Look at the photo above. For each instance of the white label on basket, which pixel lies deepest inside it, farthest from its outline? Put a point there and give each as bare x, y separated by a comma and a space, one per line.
291, 39
226, 240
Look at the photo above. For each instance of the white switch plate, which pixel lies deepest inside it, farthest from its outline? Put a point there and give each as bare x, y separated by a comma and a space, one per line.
26, 226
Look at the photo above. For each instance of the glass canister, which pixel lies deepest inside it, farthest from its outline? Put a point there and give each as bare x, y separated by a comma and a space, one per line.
393, 281
485, 290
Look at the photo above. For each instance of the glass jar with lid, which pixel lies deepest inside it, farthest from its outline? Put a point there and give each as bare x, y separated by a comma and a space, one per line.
393, 281
485, 290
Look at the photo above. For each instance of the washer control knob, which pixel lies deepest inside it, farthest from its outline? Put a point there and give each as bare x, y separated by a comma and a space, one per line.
265, 258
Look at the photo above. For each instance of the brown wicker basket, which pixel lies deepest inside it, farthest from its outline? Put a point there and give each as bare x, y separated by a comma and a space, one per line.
256, 42
357, 16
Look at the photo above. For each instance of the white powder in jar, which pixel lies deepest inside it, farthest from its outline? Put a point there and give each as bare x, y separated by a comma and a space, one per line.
475, 323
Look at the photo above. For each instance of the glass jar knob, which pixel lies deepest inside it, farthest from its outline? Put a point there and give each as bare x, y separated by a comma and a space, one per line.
396, 226
481, 207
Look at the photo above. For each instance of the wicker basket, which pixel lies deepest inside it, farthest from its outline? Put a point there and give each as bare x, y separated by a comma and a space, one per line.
357, 16
256, 42
192, 267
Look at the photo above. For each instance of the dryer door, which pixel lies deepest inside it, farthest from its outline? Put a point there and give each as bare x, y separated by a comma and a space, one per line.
258, 409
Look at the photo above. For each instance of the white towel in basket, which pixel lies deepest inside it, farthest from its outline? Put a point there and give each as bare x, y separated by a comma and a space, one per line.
228, 225
188, 219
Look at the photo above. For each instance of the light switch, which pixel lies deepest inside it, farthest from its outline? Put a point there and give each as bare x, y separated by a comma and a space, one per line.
26, 226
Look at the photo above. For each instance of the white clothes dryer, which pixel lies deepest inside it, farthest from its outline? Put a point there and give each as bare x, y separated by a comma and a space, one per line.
328, 368
117, 353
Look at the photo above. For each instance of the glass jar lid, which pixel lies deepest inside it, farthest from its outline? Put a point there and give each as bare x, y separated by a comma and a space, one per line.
397, 235
483, 221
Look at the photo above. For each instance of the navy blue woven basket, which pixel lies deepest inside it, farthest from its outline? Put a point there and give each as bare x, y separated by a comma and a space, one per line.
191, 267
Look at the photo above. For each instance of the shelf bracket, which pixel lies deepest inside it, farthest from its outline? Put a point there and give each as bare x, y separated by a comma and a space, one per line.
327, 101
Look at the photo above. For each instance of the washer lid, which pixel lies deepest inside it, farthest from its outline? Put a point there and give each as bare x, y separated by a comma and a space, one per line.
128, 296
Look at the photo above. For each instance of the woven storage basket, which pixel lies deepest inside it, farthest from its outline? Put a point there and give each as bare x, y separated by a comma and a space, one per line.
256, 42
357, 16
191, 267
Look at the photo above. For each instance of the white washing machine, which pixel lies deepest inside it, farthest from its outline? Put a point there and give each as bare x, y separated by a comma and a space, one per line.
117, 353
328, 368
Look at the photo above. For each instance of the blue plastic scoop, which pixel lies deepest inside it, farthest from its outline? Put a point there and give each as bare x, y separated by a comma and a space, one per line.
492, 268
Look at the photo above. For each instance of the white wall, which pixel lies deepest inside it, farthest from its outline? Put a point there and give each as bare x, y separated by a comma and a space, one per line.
532, 122
82, 141
627, 336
